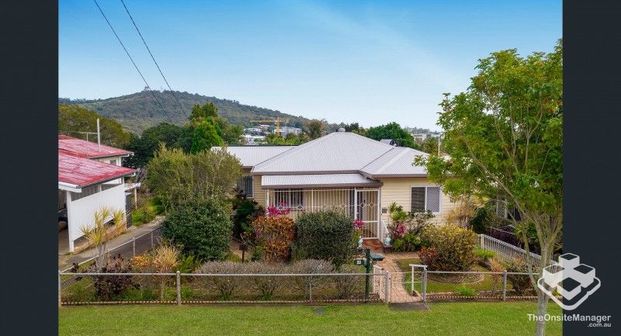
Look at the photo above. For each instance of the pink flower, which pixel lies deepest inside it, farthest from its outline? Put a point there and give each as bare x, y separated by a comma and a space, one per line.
358, 224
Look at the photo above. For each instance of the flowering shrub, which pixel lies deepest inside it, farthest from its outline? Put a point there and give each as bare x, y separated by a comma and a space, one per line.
274, 236
453, 245
405, 228
281, 210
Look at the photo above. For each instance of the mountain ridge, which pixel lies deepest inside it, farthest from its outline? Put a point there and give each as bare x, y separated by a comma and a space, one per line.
140, 110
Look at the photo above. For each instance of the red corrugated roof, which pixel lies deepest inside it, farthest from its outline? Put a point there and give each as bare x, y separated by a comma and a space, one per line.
84, 172
87, 149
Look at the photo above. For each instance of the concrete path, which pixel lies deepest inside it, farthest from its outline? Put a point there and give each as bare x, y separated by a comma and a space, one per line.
398, 293
115, 245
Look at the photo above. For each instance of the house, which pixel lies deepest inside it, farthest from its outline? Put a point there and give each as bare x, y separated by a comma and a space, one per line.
286, 130
90, 176
344, 171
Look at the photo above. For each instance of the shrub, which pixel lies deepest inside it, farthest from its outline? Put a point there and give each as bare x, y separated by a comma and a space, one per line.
110, 286
225, 286
429, 256
325, 235
346, 284
408, 243
202, 229
142, 215
520, 283
274, 234
266, 286
465, 291
244, 212
309, 266
454, 247
484, 255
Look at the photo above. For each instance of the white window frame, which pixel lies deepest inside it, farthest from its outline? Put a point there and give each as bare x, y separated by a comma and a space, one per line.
427, 186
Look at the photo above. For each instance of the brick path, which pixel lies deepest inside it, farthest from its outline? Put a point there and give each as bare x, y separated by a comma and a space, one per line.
398, 293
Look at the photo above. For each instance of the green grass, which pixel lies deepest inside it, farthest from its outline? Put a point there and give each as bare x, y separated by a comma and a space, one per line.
471, 318
441, 283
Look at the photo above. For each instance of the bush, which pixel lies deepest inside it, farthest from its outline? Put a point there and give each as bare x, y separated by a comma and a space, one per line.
143, 215
201, 229
245, 211
274, 235
465, 291
110, 286
326, 235
310, 266
484, 255
225, 286
408, 243
452, 246
346, 284
266, 286
520, 283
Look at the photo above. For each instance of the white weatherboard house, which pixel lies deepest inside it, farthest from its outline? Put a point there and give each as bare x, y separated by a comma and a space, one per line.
343, 171
90, 176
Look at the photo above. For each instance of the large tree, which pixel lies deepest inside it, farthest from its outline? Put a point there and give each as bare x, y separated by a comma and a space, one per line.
74, 120
209, 129
392, 131
145, 146
503, 137
178, 178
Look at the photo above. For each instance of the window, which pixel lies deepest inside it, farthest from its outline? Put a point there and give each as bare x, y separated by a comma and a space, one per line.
289, 199
425, 198
86, 191
245, 185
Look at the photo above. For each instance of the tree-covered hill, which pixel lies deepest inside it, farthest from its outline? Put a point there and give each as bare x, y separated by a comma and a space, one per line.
138, 111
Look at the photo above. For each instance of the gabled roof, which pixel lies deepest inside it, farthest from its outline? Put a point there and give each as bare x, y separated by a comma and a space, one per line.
338, 152
397, 162
81, 172
250, 156
87, 149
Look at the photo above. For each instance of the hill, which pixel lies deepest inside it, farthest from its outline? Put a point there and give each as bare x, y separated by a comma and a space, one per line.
140, 110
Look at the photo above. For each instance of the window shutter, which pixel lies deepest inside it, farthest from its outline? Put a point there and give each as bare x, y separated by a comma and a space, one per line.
433, 199
418, 199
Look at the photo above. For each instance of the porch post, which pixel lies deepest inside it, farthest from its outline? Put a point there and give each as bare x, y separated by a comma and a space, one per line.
355, 204
267, 199
69, 222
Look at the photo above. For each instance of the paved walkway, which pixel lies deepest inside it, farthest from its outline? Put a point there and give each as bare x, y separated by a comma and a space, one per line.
65, 261
398, 293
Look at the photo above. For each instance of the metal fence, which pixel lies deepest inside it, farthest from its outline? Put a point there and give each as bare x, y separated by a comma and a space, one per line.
468, 285
194, 288
503, 249
133, 247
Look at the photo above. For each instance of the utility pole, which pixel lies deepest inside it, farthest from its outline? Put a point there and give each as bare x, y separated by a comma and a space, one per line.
98, 134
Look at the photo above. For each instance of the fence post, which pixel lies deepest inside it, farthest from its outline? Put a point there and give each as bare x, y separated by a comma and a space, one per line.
386, 280
59, 290
310, 289
424, 286
133, 246
482, 241
151, 239
178, 288
504, 285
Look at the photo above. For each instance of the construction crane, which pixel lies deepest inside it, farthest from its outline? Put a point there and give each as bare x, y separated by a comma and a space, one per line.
275, 121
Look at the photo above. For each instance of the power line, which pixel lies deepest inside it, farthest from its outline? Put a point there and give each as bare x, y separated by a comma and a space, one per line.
153, 58
128, 54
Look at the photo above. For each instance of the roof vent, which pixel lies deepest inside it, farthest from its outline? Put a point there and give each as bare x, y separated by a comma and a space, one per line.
341, 129
389, 142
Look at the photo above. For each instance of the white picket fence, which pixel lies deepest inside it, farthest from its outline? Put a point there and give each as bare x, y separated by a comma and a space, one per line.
504, 249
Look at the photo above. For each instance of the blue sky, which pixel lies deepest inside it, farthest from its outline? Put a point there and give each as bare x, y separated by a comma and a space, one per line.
354, 61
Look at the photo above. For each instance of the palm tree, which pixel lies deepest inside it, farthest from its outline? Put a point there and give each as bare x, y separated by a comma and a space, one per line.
97, 235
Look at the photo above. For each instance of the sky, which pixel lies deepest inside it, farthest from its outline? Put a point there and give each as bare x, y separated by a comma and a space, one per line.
370, 62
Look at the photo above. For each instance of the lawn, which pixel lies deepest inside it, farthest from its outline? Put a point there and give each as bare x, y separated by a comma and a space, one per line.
442, 283
471, 318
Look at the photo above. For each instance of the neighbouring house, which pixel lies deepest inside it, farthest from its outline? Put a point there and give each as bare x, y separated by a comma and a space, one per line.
90, 176
341, 170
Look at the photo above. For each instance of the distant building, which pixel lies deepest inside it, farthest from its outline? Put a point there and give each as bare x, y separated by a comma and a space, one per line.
286, 130
250, 139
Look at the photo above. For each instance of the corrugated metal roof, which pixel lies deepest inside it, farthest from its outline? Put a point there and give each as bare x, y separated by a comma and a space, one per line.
87, 149
250, 156
83, 172
396, 162
335, 152
321, 180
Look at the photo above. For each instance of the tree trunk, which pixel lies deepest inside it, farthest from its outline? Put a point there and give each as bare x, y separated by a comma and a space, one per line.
542, 307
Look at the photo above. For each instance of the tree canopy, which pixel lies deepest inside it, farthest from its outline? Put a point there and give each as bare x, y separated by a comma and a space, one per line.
503, 137
392, 131
73, 119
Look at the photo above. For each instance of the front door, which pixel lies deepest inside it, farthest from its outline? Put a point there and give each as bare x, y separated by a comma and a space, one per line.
367, 211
